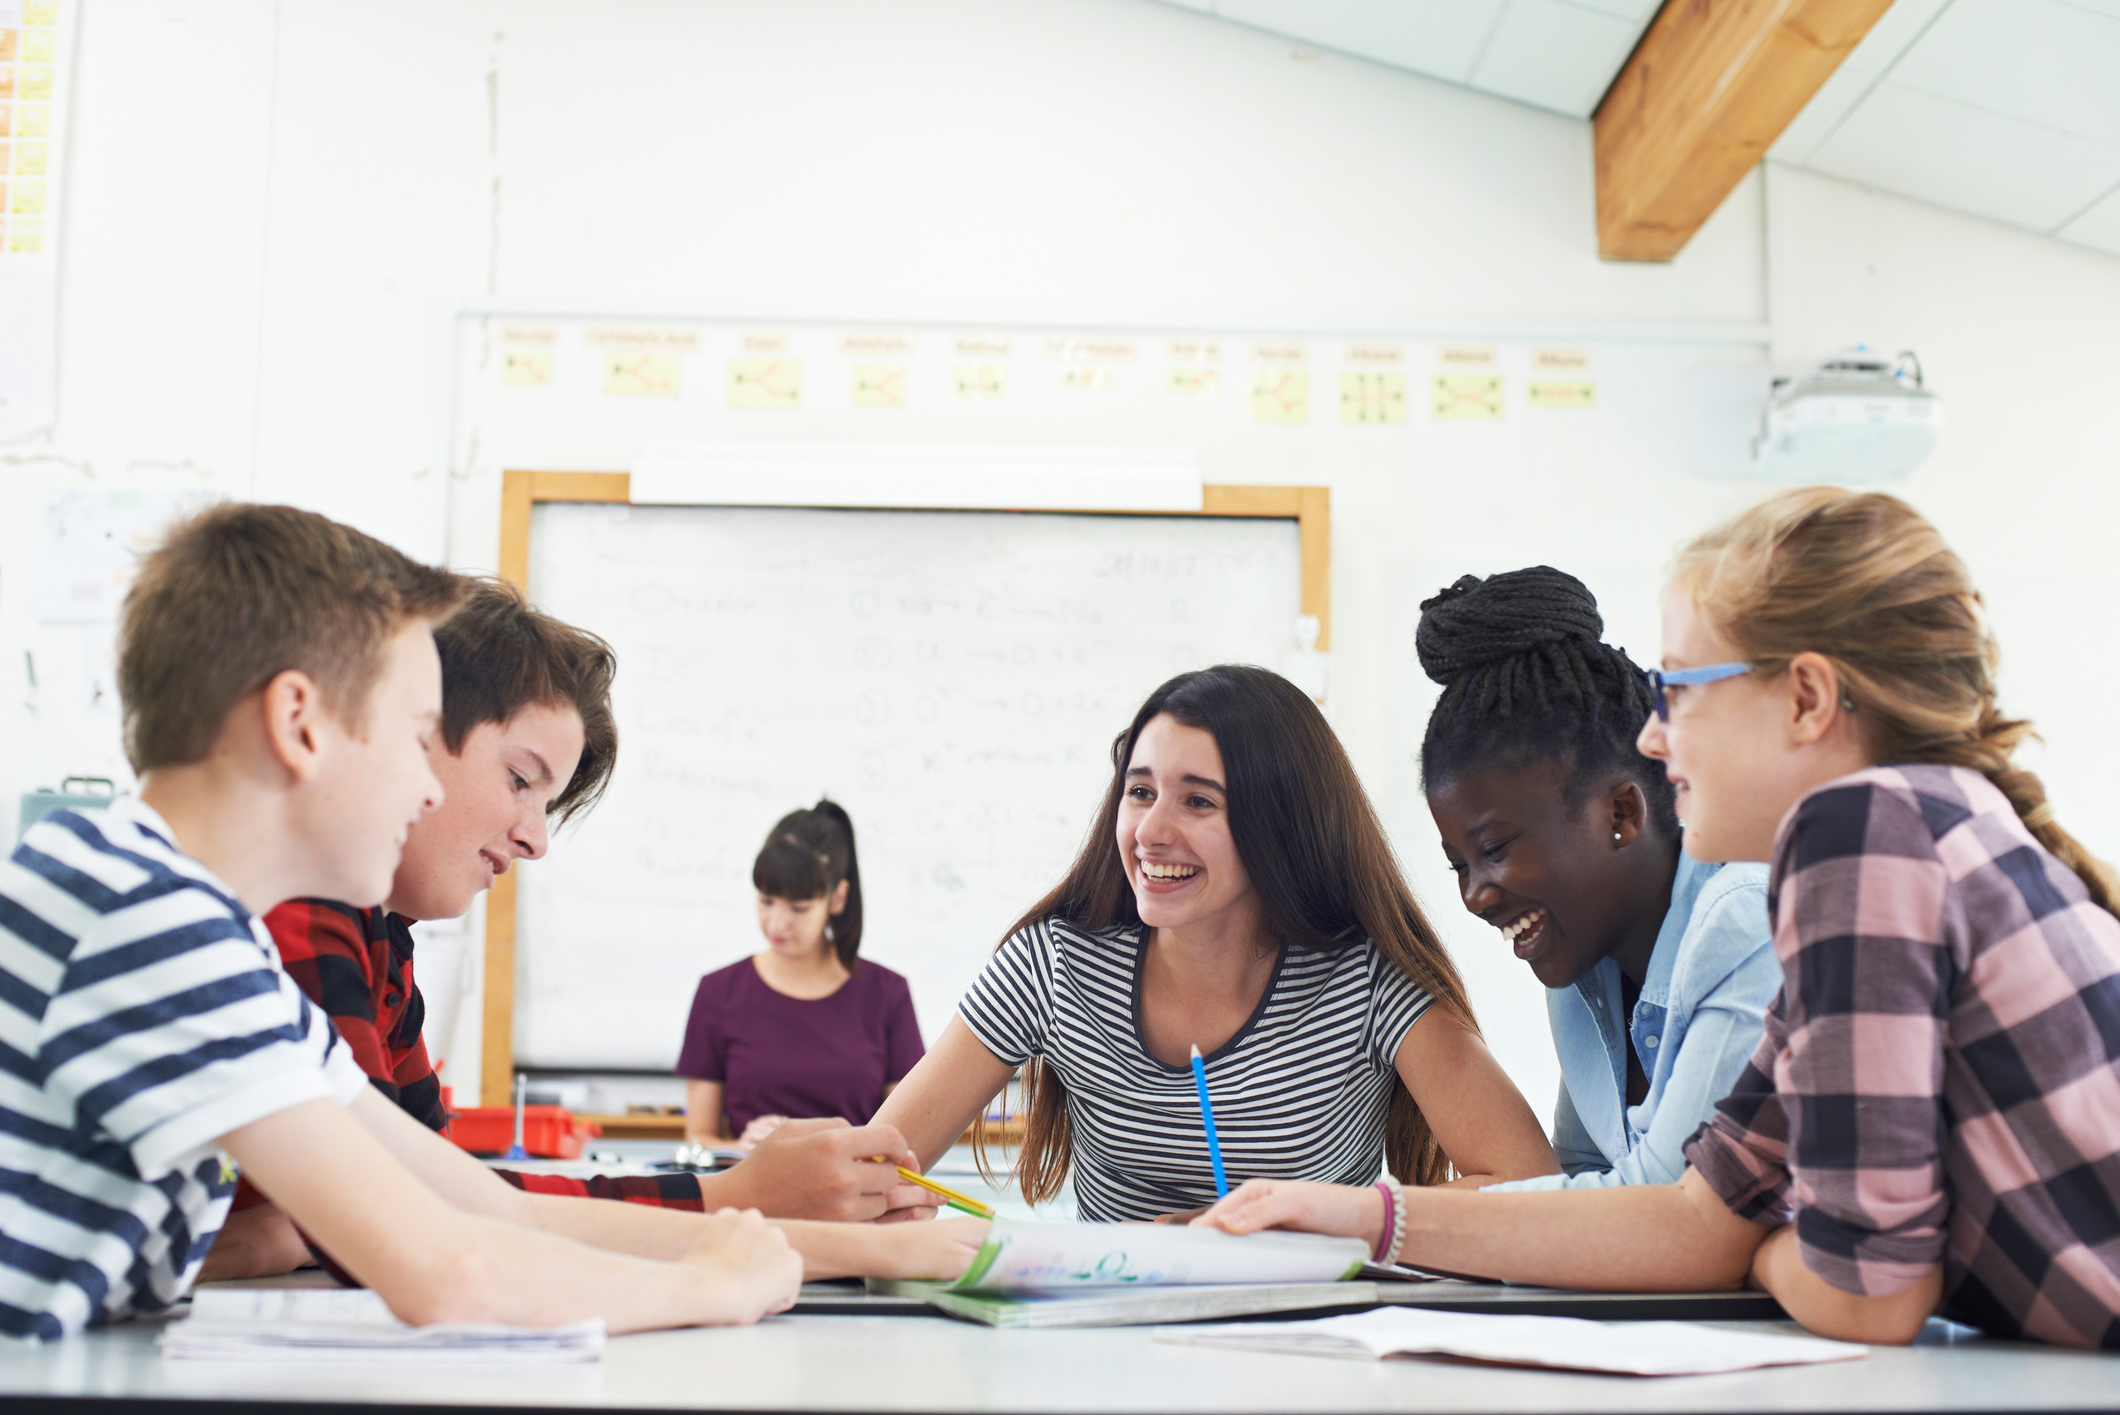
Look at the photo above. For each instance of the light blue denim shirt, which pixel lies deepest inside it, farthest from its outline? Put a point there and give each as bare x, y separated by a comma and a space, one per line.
1698, 1019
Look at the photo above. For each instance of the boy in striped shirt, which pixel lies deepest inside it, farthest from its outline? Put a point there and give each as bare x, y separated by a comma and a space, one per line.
527, 743
280, 686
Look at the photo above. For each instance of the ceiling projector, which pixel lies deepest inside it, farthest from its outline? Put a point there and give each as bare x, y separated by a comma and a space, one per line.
1856, 417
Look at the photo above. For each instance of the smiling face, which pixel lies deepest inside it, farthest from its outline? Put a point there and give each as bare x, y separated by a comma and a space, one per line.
1727, 747
498, 786
1550, 876
1173, 830
373, 786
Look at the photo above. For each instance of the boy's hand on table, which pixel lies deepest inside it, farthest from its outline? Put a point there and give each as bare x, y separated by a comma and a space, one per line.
822, 1169
260, 1241
926, 1252
755, 1273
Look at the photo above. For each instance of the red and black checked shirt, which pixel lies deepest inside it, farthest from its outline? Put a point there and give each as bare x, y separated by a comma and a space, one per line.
1939, 1081
356, 964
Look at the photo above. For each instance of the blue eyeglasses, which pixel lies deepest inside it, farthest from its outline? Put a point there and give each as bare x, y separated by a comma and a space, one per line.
1660, 683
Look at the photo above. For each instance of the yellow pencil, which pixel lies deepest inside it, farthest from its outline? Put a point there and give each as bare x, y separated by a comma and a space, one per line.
955, 1200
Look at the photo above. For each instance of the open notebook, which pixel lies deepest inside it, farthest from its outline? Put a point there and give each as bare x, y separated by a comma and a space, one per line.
1112, 1274
322, 1324
1559, 1343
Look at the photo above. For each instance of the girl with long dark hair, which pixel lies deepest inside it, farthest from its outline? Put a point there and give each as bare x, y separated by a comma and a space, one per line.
1236, 894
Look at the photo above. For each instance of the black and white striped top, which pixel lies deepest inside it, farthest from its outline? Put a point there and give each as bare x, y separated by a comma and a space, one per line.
1299, 1092
143, 1015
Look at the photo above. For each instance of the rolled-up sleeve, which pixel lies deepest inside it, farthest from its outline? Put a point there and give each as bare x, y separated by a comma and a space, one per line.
1715, 1037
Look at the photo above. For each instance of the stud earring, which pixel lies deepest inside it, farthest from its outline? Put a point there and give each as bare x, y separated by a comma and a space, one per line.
1615, 835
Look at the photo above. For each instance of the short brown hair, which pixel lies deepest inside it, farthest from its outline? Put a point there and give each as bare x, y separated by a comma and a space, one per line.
240, 593
500, 655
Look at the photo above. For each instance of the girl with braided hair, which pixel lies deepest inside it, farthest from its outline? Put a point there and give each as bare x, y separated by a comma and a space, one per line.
1931, 1124
1659, 967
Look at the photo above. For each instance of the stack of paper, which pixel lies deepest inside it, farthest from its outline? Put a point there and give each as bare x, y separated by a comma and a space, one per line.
1110, 1274
1134, 1306
1064, 1257
281, 1324
1563, 1343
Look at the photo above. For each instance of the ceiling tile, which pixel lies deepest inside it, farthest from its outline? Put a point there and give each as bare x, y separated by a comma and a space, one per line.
1639, 11
1811, 127
1897, 28
2100, 226
1440, 38
1955, 155
1554, 55
2039, 60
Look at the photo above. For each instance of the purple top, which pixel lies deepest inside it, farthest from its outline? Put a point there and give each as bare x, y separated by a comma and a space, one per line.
781, 1055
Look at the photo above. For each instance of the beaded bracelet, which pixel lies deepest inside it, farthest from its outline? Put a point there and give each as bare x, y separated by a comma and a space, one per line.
1393, 1235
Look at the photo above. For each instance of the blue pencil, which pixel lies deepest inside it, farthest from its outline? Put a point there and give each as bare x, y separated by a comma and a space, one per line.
1207, 1114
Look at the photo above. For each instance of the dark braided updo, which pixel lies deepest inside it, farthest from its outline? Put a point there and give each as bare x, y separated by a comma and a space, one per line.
1526, 676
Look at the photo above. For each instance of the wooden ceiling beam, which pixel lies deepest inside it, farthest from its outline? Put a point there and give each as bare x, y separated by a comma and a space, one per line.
1707, 91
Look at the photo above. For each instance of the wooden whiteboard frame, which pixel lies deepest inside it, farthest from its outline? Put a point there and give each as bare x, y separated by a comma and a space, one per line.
1310, 507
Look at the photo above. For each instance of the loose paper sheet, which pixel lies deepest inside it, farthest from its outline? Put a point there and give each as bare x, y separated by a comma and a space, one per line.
309, 1324
1561, 1343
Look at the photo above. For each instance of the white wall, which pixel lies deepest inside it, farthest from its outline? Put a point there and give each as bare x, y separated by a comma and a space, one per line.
259, 267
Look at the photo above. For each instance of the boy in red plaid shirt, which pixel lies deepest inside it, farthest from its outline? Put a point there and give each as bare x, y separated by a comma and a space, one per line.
528, 741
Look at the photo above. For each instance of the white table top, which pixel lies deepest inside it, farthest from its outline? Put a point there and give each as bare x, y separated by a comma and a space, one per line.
935, 1366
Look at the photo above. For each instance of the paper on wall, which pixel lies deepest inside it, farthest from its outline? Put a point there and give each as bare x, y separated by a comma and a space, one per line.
90, 543
37, 38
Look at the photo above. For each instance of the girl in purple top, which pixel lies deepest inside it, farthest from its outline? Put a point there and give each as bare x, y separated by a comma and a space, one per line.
805, 1028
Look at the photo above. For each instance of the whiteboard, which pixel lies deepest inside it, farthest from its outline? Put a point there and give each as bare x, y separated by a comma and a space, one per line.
954, 678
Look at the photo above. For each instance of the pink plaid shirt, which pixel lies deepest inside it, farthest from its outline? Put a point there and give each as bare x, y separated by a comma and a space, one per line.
1939, 1080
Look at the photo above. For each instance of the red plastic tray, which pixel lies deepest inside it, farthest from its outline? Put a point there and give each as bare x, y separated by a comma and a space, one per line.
549, 1131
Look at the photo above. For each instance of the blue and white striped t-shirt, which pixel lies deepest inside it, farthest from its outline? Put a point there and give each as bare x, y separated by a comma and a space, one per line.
1300, 1091
143, 1014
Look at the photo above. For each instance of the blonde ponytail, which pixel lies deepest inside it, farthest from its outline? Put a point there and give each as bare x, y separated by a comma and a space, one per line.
1863, 580
1989, 752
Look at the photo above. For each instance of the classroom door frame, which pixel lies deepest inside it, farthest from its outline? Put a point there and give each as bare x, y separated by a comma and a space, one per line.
1310, 507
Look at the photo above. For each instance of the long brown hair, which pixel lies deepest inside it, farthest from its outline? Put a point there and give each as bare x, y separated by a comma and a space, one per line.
1864, 581
1316, 854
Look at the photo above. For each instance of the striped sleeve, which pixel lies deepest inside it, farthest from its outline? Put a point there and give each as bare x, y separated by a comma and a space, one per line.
171, 1026
1396, 1002
1010, 1005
